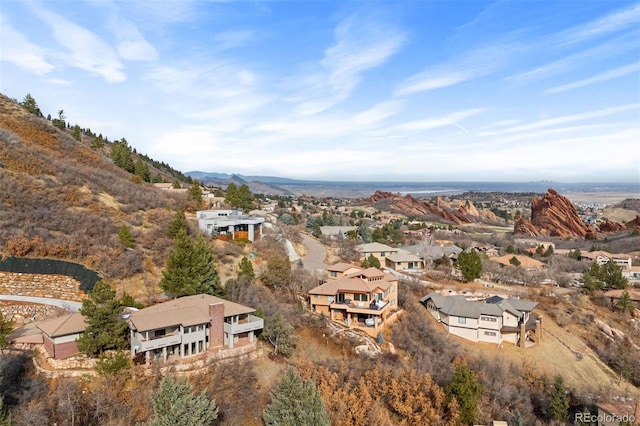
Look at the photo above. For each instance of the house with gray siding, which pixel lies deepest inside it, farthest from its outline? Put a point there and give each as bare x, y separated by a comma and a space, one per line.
230, 224
492, 320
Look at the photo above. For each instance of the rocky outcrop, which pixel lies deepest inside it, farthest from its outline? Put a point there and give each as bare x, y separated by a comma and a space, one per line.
554, 215
409, 206
634, 224
522, 226
609, 226
469, 210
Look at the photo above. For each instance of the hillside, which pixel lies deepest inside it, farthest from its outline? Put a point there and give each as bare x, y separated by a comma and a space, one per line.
63, 199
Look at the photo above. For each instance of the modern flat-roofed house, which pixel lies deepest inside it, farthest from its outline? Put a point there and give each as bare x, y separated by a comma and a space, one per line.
492, 320
191, 325
358, 298
230, 225
381, 251
60, 335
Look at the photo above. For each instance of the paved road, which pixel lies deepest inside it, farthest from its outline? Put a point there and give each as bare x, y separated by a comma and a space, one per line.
314, 259
65, 304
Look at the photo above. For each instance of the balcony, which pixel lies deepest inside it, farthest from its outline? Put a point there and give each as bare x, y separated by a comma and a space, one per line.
251, 323
361, 307
157, 342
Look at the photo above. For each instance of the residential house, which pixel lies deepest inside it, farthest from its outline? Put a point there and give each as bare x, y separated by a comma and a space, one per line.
356, 297
632, 274
230, 224
616, 295
381, 251
403, 261
614, 414
337, 231
493, 320
191, 325
602, 257
60, 335
526, 262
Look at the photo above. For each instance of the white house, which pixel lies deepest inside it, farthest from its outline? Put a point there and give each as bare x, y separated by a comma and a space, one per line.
230, 224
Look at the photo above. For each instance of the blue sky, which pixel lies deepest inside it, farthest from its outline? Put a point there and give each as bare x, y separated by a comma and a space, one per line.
402, 90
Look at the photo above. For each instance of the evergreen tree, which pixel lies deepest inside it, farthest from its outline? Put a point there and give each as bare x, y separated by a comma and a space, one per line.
371, 262
245, 198
77, 135
175, 404
467, 390
575, 254
30, 104
279, 333
176, 184
179, 223
129, 301
231, 196
6, 327
125, 236
245, 269
278, 273
559, 401
190, 268
105, 329
295, 402
626, 304
516, 419
5, 415
470, 265
121, 155
365, 234
141, 169
195, 193
514, 261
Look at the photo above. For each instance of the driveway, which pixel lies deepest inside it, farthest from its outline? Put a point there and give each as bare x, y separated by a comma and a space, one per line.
314, 260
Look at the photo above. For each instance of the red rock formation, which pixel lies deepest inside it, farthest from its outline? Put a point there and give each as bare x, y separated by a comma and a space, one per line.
609, 226
469, 210
634, 224
522, 226
409, 206
554, 215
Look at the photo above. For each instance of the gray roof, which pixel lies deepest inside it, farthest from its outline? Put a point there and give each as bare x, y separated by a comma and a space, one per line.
374, 247
461, 307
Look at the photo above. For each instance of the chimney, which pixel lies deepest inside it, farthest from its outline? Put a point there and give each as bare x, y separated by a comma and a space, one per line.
539, 329
216, 327
523, 334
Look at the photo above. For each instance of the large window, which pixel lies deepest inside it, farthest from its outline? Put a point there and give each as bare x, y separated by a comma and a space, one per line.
492, 319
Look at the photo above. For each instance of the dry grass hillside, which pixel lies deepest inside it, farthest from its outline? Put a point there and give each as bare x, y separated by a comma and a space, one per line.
62, 199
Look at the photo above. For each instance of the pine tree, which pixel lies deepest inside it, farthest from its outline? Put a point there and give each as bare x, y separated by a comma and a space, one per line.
6, 327
626, 304
231, 196
559, 401
179, 223
245, 198
190, 268
195, 193
467, 390
125, 237
141, 169
295, 402
278, 273
279, 333
175, 404
105, 329
30, 104
365, 234
246, 269
470, 265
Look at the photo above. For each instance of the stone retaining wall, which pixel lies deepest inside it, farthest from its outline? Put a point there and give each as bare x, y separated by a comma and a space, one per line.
41, 285
24, 313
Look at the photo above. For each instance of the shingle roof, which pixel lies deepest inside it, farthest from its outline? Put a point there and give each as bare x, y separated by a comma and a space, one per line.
188, 310
374, 247
355, 283
340, 267
461, 307
64, 325
403, 256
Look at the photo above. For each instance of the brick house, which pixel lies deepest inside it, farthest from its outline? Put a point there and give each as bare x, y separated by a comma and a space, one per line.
60, 335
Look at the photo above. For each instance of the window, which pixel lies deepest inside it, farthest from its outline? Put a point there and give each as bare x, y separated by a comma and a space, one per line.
382, 254
330, 298
490, 333
356, 296
334, 274
492, 319
159, 333
462, 320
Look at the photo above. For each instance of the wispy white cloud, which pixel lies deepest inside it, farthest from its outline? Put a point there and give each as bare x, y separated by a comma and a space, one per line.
610, 48
85, 49
132, 45
378, 112
598, 78
589, 115
232, 39
616, 21
20, 51
361, 43
58, 82
472, 65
